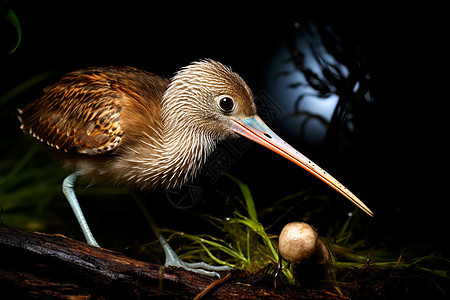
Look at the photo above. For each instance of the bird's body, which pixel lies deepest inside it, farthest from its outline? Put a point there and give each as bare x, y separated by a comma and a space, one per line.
130, 127
110, 124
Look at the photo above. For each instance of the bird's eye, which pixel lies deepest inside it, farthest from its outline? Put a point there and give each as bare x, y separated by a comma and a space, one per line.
226, 104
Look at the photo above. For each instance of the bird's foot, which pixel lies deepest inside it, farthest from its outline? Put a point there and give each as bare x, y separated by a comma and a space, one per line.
172, 260
199, 267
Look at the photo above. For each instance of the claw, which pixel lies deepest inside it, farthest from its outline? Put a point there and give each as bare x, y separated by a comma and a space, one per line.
199, 267
172, 260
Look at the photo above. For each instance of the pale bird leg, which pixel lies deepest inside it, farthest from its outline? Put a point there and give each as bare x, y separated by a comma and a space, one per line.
69, 192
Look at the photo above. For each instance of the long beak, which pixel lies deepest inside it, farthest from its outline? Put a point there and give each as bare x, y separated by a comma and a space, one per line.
256, 130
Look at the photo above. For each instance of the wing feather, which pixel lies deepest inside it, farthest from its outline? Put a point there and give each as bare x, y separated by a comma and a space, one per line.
89, 110
79, 113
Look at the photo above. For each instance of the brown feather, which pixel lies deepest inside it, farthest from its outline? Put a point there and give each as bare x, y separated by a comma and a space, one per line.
127, 126
82, 112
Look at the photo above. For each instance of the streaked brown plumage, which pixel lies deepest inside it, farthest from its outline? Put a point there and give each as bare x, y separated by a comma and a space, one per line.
130, 127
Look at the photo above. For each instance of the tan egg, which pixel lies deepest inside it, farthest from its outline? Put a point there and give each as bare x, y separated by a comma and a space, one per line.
297, 241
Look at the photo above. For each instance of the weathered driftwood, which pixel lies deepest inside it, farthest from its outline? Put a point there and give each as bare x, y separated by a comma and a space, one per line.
41, 266
37, 265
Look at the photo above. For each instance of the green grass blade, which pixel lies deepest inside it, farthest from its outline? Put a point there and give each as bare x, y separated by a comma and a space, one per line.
247, 197
11, 17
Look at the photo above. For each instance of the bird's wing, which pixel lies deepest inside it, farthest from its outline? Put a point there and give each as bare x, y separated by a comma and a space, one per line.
79, 113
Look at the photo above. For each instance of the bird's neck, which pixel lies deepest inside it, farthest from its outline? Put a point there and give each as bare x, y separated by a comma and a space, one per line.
171, 159
173, 153
186, 145
184, 152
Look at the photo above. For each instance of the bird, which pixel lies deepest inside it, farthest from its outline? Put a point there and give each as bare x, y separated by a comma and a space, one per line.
125, 126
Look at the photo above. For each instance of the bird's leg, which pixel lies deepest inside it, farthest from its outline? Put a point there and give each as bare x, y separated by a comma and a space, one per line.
172, 259
68, 190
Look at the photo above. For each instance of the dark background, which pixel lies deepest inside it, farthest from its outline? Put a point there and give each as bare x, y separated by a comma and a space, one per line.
395, 163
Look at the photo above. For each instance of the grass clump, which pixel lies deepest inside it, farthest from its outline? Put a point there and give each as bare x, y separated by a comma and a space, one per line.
246, 246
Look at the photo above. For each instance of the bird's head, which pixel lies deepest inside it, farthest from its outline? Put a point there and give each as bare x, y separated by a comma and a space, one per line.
210, 100
207, 96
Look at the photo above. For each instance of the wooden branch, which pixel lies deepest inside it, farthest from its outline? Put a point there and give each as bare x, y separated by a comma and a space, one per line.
44, 266
37, 265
